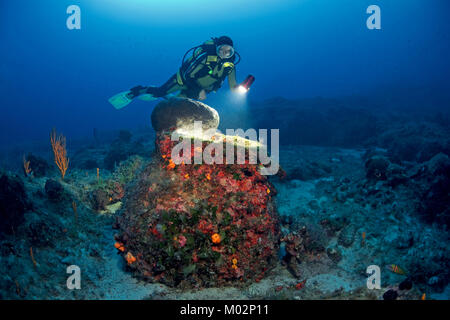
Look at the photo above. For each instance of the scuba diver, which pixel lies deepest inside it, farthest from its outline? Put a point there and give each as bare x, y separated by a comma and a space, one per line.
200, 74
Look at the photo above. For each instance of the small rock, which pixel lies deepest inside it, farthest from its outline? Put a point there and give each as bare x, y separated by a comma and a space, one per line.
54, 190
433, 281
334, 254
347, 236
405, 284
390, 295
99, 199
376, 168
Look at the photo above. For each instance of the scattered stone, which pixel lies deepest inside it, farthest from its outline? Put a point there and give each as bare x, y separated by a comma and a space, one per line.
405, 284
347, 236
286, 220
334, 254
390, 295
434, 281
404, 241
54, 190
439, 165
99, 199
333, 225
299, 246
396, 175
376, 168
436, 196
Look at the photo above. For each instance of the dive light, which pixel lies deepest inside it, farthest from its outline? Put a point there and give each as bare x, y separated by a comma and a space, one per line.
246, 84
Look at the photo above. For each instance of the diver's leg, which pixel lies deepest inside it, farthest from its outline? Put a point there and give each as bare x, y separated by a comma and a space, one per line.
170, 86
136, 91
192, 92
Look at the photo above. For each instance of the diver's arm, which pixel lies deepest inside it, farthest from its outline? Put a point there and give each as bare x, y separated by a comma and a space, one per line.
232, 80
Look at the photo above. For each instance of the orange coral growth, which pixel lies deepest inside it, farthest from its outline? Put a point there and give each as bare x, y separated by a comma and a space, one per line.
26, 166
75, 210
130, 258
171, 164
60, 152
234, 266
300, 285
215, 238
32, 257
119, 246
17, 287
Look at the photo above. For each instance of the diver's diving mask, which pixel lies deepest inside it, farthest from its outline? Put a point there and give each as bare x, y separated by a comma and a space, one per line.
225, 51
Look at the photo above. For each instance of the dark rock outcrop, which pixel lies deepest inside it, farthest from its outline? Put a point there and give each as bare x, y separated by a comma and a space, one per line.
43, 232
100, 199
436, 195
299, 246
13, 203
376, 168
54, 190
390, 295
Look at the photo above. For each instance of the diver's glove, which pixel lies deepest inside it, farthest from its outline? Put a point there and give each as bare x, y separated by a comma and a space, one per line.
136, 91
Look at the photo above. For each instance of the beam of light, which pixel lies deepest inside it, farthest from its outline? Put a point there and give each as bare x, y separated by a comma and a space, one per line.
242, 90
